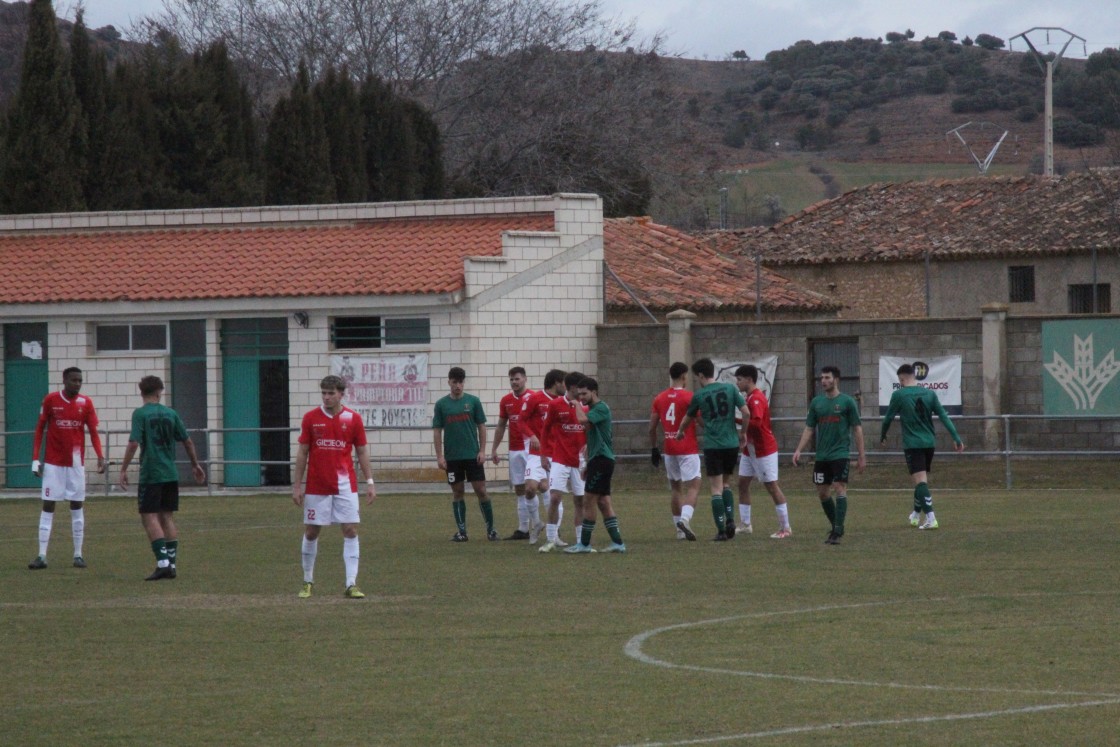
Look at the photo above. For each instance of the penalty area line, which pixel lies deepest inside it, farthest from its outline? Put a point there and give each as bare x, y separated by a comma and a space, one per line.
880, 722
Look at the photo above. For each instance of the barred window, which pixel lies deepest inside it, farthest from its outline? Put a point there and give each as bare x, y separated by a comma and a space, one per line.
370, 332
1020, 284
1081, 298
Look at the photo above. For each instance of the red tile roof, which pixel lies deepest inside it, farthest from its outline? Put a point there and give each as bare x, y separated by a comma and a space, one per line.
952, 219
389, 257
668, 269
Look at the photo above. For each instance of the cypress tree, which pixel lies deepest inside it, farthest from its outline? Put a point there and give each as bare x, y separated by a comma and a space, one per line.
89, 71
297, 157
338, 100
428, 152
44, 139
136, 175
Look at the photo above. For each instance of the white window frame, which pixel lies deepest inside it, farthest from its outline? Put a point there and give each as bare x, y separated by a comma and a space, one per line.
131, 349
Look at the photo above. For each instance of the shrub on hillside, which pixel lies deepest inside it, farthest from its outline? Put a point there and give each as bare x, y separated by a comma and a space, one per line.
987, 41
1076, 134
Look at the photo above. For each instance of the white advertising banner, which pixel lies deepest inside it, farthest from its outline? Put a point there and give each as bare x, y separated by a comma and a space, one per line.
767, 366
388, 391
942, 376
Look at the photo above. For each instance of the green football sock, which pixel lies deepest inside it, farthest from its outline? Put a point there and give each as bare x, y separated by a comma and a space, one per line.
585, 534
459, 508
719, 513
924, 496
917, 500
829, 507
487, 514
172, 550
159, 548
729, 506
841, 512
612, 529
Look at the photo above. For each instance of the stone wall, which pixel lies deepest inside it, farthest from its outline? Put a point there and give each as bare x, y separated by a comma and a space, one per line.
629, 392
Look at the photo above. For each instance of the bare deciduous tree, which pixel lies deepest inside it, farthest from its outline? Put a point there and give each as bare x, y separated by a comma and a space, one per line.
530, 95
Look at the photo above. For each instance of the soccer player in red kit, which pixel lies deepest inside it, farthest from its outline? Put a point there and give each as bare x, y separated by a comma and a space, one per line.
682, 458
65, 416
760, 454
529, 522
562, 442
327, 435
533, 413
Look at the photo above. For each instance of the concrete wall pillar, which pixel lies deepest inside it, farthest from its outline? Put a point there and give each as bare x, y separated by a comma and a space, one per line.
680, 337
993, 344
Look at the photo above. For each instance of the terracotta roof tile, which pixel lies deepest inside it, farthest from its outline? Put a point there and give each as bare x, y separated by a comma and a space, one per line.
668, 269
391, 257
951, 219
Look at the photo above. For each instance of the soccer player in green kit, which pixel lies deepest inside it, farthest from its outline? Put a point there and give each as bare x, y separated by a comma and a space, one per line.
915, 405
600, 468
835, 417
459, 435
717, 401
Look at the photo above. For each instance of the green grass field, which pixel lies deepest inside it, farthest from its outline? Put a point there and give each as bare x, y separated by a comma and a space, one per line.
998, 629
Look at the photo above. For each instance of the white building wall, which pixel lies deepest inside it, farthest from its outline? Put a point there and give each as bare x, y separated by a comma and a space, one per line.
535, 306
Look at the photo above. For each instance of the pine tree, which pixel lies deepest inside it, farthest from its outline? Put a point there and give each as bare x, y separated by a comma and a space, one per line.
44, 139
136, 175
338, 100
297, 157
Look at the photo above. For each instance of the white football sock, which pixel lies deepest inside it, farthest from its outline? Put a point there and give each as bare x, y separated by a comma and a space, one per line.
686, 513
745, 513
522, 514
350, 555
783, 515
46, 521
310, 550
78, 524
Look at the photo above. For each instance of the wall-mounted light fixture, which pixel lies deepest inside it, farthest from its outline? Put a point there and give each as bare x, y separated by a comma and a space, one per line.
301, 318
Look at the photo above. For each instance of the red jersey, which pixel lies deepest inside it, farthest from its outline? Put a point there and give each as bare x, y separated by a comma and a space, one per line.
533, 411
330, 439
564, 435
670, 406
509, 409
759, 433
65, 421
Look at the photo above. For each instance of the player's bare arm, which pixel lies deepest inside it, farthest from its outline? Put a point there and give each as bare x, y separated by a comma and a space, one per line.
129, 452
367, 474
437, 440
300, 471
805, 436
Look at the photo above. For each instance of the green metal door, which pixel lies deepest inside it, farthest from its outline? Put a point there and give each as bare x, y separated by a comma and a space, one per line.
248, 347
26, 382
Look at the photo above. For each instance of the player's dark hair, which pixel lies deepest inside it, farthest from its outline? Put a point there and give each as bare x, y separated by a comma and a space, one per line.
905, 370
573, 379
516, 370
589, 384
72, 369
333, 382
552, 377
747, 371
456, 374
831, 370
677, 370
704, 367
149, 385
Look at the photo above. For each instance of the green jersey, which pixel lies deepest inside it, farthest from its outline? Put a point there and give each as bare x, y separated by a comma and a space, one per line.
459, 419
598, 431
717, 403
916, 407
156, 428
834, 418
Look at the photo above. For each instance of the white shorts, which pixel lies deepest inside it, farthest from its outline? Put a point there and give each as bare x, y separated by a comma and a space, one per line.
324, 510
64, 483
565, 479
764, 468
682, 467
533, 469
517, 463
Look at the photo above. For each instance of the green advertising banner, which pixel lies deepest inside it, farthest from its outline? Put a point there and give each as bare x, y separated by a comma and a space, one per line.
1080, 367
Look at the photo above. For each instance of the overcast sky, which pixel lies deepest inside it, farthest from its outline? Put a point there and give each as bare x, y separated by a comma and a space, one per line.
713, 29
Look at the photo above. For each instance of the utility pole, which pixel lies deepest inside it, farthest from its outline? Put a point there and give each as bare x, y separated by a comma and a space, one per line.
1047, 66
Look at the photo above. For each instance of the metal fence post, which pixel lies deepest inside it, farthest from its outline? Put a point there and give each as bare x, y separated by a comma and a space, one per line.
1007, 450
